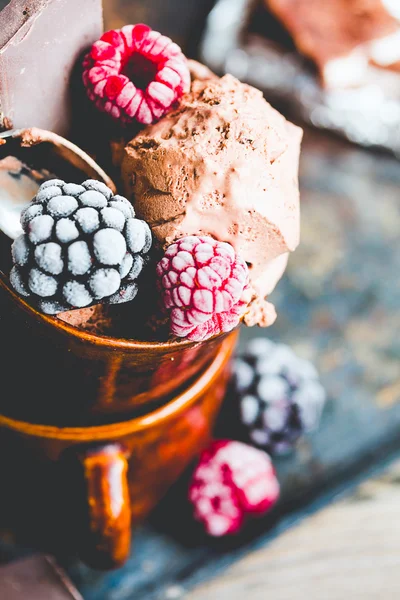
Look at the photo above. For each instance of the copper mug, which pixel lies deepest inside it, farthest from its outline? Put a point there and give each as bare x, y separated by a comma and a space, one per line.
58, 374
133, 413
125, 468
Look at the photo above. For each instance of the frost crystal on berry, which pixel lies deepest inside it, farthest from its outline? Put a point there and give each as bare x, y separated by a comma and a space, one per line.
20, 251
78, 247
232, 481
204, 285
279, 395
66, 230
135, 74
49, 258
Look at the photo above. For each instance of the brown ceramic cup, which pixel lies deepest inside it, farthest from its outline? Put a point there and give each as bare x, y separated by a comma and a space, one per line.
125, 468
58, 374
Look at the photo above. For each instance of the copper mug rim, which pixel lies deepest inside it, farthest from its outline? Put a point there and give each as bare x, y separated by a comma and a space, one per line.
115, 431
94, 338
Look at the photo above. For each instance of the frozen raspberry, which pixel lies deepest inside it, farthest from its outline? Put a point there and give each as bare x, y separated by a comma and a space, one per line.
81, 245
204, 286
279, 395
232, 480
135, 74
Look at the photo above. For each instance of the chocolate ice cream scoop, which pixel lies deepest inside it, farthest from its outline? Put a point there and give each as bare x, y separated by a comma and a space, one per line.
223, 164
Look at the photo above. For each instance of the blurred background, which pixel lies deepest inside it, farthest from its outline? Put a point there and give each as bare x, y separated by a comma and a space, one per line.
182, 20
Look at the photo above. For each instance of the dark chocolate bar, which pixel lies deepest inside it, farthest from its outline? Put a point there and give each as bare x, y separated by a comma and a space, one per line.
40, 43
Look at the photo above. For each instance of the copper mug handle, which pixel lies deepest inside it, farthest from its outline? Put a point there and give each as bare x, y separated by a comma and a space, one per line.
107, 540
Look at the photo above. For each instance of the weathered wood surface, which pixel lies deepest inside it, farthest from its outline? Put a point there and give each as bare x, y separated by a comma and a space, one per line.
348, 550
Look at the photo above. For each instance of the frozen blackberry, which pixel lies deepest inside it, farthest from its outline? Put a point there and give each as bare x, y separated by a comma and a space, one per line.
279, 395
81, 245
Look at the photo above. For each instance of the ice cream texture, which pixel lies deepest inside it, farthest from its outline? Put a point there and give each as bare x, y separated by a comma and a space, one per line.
224, 163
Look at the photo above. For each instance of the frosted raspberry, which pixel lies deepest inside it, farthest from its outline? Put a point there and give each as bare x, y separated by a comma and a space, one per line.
231, 481
135, 74
204, 287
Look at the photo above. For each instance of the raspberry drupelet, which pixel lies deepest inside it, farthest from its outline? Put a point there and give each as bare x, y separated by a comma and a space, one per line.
135, 74
205, 287
232, 481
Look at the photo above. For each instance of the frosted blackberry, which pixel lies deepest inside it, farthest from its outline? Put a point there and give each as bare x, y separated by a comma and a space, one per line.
81, 245
279, 395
